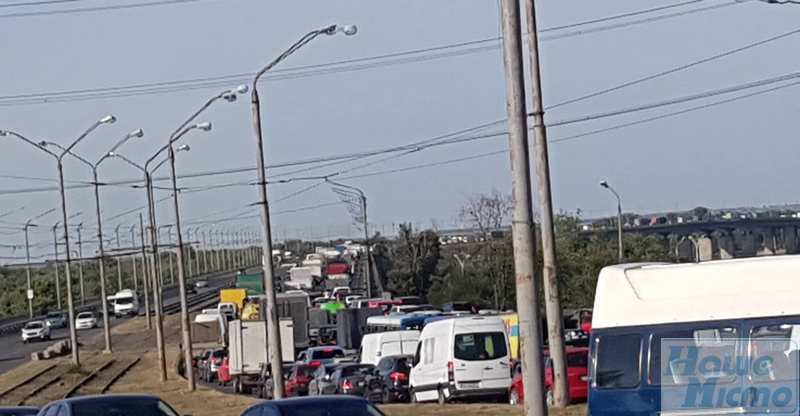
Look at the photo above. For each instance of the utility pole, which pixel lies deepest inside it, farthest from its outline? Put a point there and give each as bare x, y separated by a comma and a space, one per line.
119, 262
145, 276
522, 224
197, 252
133, 258
555, 330
80, 265
28, 270
205, 253
55, 264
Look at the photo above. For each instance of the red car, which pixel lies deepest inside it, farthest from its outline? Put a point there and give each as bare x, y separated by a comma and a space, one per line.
297, 381
577, 377
224, 373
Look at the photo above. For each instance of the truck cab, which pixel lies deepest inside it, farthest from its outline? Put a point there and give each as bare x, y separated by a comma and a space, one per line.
126, 303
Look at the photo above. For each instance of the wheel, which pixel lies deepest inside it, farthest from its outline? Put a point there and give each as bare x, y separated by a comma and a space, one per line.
387, 396
550, 398
441, 399
412, 397
237, 386
513, 397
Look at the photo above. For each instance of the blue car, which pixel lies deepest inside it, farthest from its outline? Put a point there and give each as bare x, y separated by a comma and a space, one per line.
109, 405
315, 406
18, 411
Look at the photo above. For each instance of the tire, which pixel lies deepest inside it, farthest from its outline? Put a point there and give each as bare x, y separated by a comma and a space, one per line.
513, 397
441, 399
388, 397
412, 397
237, 386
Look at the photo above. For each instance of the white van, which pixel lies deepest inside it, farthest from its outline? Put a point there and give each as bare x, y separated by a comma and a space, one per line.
387, 344
126, 303
461, 357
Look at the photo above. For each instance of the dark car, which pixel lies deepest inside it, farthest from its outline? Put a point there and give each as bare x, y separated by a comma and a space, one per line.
267, 383
199, 360
394, 372
321, 382
18, 411
358, 380
111, 404
320, 355
315, 406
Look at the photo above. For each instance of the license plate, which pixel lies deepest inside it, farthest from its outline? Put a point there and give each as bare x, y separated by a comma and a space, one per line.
361, 384
471, 385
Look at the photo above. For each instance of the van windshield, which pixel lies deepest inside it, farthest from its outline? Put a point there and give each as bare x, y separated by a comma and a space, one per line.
480, 346
124, 301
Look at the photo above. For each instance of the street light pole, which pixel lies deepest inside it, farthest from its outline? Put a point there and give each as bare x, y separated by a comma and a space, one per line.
620, 248
80, 265
101, 261
145, 277
74, 347
205, 253
55, 263
363, 199
119, 261
273, 333
133, 259
28, 270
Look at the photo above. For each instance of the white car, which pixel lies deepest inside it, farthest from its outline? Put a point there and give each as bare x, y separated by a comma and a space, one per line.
201, 284
85, 320
35, 330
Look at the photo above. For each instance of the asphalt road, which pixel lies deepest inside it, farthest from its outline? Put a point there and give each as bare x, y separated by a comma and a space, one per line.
14, 352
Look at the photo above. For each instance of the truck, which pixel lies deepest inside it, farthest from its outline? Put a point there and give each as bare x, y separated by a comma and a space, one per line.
301, 277
248, 350
337, 268
126, 303
252, 283
293, 306
235, 296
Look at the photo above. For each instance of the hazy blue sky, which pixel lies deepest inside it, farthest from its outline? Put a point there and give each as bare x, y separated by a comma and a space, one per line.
735, 154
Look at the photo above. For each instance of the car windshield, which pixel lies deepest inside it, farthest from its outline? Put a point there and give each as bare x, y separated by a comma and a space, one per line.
330, 408
480, 346
124, 301
34, 325
85, 315
402, 364
327, 354
55, 315
357, 370
122, 406
218, 354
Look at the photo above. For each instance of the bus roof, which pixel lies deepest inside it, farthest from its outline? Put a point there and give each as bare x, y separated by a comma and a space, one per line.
658, 293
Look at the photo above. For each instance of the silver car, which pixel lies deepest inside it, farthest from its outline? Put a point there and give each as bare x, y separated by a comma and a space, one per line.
35, 330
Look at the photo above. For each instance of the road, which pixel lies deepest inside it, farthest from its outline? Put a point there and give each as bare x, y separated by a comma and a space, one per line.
14, 352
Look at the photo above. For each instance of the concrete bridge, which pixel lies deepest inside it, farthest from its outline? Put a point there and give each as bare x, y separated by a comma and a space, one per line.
702, 241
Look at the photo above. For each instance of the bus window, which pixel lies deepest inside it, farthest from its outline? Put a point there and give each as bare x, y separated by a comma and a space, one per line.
618, 361
718, 341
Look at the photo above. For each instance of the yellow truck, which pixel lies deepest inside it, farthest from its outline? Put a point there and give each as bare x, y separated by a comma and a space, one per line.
236, 296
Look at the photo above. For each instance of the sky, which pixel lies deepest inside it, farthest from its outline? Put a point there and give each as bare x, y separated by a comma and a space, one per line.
736, 154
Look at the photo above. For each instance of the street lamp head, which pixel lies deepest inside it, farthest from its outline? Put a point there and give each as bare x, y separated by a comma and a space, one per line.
111, 154
183, 148
136, 133
43, 143
206, 126
3, 133
109, 119
604, 184
229, 96
242, 89
348, 30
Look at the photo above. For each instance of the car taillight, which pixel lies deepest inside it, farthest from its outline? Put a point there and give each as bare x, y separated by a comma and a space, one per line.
315, 363
398, 376
347, 385
451, 372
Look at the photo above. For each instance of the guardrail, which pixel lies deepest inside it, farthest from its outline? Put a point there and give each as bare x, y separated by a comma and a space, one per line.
16, 323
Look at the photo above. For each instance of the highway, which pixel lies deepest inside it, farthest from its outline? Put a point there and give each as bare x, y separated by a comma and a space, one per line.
14, 352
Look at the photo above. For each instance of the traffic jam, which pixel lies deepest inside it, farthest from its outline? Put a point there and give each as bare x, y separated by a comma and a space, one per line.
335, 340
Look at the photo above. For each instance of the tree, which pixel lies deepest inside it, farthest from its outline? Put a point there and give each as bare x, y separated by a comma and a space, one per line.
415, 259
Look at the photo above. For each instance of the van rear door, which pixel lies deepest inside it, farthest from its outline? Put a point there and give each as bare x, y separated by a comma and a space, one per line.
481, 360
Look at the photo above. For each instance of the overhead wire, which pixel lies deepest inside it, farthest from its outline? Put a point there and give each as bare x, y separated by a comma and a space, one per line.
94, 8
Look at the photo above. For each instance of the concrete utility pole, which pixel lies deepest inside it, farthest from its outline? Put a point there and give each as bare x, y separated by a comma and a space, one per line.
55, 264
205, 253
133, 258
119, 261
555, 330
80, 265
197, 252
28, 224
522, 225
145, 276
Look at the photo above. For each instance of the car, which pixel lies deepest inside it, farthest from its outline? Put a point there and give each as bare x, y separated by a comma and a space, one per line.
267, 384
328, 406
198, 360
394, 371
201, 284
577, 378
19, 411
35, 330
316, 356
465, 357
85, 320
56, 319
409, 300
109, 404
213, 363
358, 380
321, 382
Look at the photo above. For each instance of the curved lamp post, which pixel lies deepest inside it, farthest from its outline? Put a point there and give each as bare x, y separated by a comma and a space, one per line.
620, 251
73, 336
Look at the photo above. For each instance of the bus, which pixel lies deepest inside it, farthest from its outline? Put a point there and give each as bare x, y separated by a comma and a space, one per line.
741, 310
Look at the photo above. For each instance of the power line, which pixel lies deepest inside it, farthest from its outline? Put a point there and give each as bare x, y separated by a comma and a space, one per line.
89, 9
619, 16
355, 64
